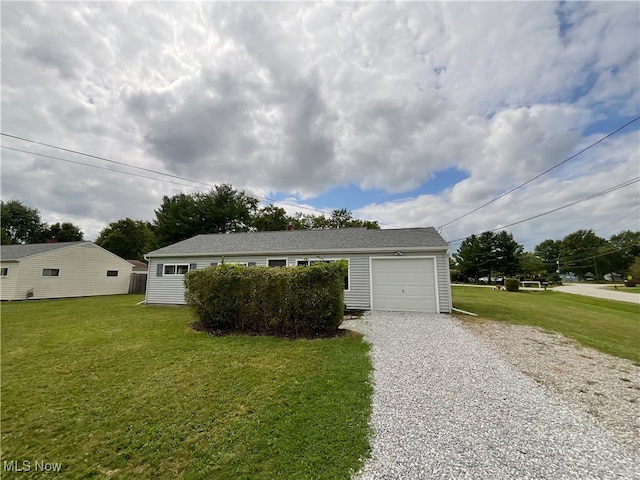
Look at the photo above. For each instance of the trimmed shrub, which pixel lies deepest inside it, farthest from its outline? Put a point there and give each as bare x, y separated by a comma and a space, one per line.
298, 301
512, 284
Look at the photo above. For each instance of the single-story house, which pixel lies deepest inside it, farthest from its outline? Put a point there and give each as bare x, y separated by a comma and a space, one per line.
401, 269
58, 270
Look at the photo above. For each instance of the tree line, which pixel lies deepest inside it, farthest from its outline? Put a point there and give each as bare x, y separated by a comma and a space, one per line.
582, 253
223, 209
22, 224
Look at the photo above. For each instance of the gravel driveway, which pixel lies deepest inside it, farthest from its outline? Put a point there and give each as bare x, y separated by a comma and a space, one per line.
446, 406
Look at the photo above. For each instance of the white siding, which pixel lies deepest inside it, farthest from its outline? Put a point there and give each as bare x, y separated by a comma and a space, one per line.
83, 272
8, 283
358, 297
444, 282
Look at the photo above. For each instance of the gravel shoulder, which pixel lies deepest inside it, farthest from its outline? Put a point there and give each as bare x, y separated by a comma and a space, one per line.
604, 386
448, 403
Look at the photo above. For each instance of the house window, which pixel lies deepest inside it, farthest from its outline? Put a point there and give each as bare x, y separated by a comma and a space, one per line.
50, 272
277, 262
311, 262
112, 273
176, 269
4, 272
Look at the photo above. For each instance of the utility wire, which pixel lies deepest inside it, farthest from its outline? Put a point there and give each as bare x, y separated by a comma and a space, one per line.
97, 166
584, 199
209, 185
541, 174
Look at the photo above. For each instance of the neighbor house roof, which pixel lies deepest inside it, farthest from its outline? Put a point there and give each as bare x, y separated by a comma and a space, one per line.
138, 266
16, 252
305, 241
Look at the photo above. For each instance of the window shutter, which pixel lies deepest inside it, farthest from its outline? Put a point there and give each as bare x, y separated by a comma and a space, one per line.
159, 270
193, 266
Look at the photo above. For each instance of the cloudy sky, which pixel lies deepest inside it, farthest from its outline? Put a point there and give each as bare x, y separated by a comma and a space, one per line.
412, 114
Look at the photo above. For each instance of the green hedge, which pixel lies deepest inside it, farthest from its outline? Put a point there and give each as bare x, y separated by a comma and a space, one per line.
299, 301
512, 284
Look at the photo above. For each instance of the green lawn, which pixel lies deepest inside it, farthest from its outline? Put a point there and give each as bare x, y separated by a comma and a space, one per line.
114, 390
609, 326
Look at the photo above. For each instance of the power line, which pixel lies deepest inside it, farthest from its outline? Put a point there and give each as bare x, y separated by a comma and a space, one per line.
541, 174
584, 199
634, 220
103, 159
97, 166
209, 185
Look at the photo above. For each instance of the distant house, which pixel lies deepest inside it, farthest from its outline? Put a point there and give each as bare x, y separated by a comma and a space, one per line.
57, 270
401, 269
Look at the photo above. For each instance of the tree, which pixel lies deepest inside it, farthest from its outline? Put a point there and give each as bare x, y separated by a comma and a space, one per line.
627, 245
343, 218
271, 218
532, 266
634, 269
488, 255
549, 252
506, 254
470, 258
20, 224
65, 232
580, 253
127, 238
222, 210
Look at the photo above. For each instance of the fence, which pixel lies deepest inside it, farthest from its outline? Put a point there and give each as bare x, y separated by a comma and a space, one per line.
138, 283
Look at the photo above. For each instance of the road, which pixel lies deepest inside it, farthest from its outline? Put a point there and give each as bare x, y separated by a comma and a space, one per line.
599, 291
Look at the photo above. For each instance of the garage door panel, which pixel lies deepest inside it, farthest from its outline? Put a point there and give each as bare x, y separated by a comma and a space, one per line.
403, 284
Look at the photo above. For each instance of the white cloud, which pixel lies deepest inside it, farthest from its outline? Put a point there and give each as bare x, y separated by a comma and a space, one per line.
298, 98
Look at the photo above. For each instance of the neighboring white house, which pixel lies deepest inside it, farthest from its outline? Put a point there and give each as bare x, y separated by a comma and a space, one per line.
400, 269
57, 270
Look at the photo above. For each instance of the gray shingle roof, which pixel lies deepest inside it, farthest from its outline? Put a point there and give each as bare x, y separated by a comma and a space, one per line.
16, 252
311, 241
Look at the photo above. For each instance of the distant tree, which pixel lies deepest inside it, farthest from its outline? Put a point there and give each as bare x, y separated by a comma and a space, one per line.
343, 218
470, 258
176, 219
221, 210
549, 252
627, 246
506, 254
531, 265
127, 238
271, 218
488, 254
65, 232
339, 218
581, 252
20, 224
634, 269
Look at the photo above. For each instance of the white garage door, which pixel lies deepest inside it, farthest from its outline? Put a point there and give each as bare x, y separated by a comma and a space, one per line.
403, 284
